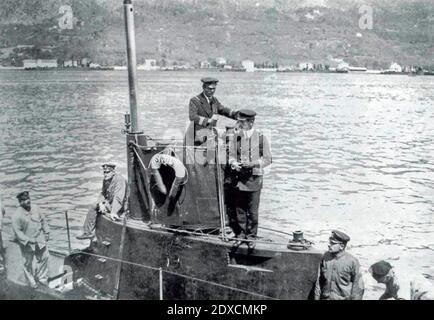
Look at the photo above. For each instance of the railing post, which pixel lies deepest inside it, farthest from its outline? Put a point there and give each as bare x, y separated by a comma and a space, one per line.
67, 231
161, 282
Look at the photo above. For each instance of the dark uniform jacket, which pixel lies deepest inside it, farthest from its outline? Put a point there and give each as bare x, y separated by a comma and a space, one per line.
199, 111
339, 278
256, 149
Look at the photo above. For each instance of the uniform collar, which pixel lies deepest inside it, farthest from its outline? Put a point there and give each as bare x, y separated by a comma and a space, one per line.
340, 254
206, 98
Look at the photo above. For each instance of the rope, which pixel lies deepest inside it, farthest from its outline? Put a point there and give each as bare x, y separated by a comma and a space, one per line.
180, 275
211, 236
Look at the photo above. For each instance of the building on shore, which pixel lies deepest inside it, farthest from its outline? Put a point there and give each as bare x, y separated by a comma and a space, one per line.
205, 65
249, 65
85, 62
306, 66
39, 63
220, 62
394, 67
343, 67
150, 64
70, 64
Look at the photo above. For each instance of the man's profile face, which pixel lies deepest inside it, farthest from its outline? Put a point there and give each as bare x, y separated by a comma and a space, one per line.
25, 203
108, 173
335, 247
209, 89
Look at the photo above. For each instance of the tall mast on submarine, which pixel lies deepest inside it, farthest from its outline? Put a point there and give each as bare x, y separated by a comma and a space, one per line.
132, 64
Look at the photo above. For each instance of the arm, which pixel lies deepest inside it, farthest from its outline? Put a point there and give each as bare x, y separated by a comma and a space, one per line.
225, 111
118, 197
193, 112
358, 286
101, 197
232, 159
19, 234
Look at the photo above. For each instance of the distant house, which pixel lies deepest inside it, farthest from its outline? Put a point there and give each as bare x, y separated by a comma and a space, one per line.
305, 66
30, 63
85, 62
94, 65
343, 66
286, 68
249, 65
150, 64
70, 64
205, 65
220, 61
39, 63
394, 67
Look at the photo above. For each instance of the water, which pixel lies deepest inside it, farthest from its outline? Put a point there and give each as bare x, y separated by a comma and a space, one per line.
350, 151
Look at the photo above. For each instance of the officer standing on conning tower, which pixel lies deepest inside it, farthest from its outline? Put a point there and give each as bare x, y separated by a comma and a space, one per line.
203, 110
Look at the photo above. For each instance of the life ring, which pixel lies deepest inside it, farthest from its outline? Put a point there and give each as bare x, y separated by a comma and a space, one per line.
179, 169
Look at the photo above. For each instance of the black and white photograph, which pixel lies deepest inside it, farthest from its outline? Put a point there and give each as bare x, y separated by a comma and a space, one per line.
216, 150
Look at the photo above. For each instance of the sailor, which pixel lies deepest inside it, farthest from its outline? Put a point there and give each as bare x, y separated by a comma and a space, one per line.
2, 250
112, 200
397, 286
32, 233
339, 276
249, 154
203, 111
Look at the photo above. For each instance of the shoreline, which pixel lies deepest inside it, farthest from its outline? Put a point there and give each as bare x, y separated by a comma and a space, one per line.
121, 68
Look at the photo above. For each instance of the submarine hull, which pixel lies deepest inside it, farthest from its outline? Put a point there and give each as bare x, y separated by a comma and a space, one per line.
161, 264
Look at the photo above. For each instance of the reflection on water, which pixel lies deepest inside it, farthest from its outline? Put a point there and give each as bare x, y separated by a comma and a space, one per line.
351, 152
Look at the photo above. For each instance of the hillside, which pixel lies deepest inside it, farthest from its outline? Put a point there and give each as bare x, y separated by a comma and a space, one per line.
283, 31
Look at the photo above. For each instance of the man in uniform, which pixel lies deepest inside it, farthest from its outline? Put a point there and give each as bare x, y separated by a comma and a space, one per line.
32, 233
203, 111
414, 288
112, 201
339, 275
249, 154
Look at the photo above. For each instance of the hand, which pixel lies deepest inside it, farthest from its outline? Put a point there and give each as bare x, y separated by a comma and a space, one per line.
32, 241
114, 217
102, 208
236, 166
212, 122
247, 164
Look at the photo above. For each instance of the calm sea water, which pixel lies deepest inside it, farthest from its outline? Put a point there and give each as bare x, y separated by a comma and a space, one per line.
351, 151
